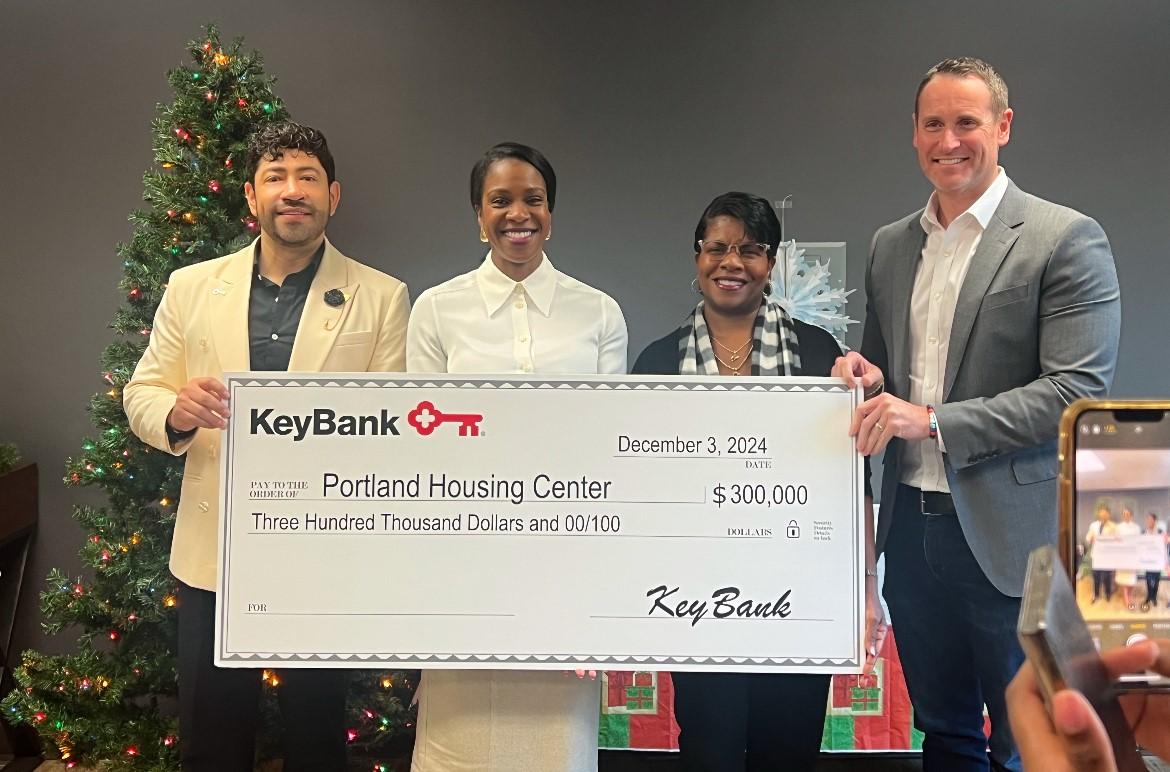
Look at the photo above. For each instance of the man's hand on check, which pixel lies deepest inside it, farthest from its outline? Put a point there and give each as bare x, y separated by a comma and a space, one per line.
202, 404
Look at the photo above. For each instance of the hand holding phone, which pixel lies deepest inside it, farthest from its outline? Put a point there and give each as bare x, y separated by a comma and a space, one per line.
1062, 656
1072, 736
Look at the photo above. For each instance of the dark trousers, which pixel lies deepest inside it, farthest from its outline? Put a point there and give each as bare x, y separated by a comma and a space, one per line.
1102, 579
219, 708
1153, 580
732, 722
956, 636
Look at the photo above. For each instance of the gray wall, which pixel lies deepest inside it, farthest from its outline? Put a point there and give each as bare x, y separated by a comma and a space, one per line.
647, 110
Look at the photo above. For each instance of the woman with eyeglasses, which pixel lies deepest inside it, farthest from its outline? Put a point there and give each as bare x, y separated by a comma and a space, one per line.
515, 313
731, 722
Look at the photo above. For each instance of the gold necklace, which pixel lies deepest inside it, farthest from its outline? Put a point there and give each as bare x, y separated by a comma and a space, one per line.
734, 352
735, 369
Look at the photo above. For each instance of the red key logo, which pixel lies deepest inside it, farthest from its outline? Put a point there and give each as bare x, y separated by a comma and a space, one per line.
426, 418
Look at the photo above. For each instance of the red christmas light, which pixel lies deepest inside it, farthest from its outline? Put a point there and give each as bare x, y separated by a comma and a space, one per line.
242, 102
39, 716
169, 740
132, 751
105, 556
78, 589
135, 293
114, 635
351, 735
213, 186
228, 163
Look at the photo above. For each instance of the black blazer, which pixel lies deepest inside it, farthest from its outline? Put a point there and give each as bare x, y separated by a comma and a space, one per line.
818, 351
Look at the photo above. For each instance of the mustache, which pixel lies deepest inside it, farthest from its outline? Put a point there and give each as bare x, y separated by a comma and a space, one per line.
299, 209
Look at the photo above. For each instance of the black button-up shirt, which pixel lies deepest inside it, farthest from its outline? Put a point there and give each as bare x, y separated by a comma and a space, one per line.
274, 312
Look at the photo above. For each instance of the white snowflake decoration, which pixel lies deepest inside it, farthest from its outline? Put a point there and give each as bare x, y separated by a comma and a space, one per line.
809, 296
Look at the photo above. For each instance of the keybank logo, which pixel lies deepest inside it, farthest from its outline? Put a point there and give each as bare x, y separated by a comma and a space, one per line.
322, 422
426, 418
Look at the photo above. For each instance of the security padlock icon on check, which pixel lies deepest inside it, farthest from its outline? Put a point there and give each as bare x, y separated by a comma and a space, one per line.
793, 530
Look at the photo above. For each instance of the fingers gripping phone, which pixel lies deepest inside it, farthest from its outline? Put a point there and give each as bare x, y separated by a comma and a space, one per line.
1057, 643
1115, 520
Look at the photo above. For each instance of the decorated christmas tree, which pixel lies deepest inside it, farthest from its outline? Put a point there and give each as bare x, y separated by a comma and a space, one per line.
113, 702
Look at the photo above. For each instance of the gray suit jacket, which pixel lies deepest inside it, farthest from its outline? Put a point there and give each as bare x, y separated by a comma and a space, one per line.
1036, 326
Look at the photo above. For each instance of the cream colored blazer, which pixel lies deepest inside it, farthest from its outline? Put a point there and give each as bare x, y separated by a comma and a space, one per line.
201, 329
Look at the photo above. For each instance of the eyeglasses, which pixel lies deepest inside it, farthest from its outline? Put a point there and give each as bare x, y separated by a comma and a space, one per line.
718, 250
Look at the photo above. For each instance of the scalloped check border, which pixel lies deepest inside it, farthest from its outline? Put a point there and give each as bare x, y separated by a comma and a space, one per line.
615, 661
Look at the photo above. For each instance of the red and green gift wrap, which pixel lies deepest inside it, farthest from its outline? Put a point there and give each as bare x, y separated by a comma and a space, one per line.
864, 713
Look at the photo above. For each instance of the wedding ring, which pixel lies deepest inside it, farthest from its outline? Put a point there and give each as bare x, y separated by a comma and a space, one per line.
880, 428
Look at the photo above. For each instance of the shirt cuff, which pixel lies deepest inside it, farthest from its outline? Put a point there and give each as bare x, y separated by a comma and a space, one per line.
174, 436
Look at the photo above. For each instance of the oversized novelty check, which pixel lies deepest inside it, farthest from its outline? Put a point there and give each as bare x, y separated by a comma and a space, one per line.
487, 522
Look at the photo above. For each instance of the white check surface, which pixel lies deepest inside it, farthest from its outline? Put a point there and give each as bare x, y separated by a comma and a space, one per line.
617, 523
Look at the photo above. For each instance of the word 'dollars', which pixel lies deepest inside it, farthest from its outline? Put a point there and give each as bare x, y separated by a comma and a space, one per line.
322, 422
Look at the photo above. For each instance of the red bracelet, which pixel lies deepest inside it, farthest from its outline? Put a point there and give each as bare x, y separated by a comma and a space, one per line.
933, 422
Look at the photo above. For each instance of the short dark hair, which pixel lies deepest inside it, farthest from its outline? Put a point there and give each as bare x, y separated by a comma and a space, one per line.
270, 142
966, 67
528, 155
756, 213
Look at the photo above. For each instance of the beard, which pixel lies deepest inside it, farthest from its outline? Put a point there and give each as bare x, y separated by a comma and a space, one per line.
295, 233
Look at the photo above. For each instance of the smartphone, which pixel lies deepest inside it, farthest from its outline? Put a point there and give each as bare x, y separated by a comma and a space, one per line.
1115, 520
1057, 643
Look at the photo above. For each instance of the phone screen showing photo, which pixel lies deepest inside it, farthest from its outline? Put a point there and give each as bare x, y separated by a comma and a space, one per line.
1121, 499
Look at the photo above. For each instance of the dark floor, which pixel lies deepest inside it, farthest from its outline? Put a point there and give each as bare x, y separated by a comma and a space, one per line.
636, 761
632, 761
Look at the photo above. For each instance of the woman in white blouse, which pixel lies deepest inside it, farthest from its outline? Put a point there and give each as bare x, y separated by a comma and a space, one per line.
516, 314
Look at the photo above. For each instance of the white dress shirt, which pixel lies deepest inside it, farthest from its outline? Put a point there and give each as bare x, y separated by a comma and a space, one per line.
484, 322
946, 256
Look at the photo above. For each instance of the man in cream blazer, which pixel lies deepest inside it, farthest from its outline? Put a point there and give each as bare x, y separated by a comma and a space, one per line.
287, 301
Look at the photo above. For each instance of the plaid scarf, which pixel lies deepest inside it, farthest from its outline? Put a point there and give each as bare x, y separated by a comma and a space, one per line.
775, 349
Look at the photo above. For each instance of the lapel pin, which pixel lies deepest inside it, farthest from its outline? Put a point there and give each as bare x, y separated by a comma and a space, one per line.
217, 291
335, 298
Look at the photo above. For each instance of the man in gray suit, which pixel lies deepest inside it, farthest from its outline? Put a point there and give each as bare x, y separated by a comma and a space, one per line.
988, 311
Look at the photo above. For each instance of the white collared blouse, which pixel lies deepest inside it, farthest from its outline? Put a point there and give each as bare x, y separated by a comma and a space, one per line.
484, 322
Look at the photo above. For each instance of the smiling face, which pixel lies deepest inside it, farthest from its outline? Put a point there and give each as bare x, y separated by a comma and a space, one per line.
958, 134
515, 216
732, 283
292, 199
